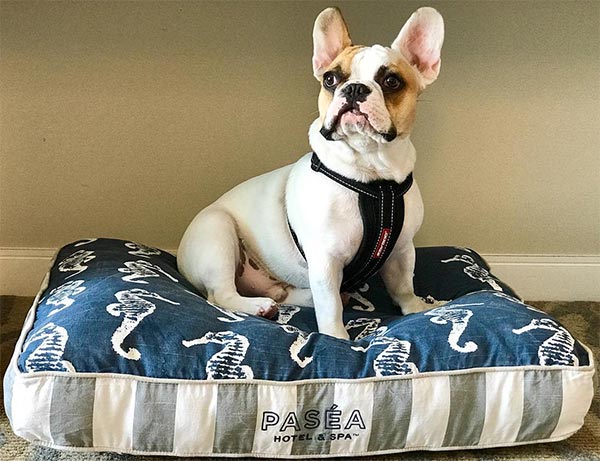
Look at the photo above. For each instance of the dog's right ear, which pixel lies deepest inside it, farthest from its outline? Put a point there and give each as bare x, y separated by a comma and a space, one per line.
330, 37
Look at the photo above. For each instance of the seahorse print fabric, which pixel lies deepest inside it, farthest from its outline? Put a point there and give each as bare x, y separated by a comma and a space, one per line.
120, 307
119, 327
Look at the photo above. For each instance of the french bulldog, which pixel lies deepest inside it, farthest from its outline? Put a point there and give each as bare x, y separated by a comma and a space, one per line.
290, 234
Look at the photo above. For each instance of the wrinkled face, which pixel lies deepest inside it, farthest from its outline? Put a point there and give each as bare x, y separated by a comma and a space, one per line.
369, 94
368, 91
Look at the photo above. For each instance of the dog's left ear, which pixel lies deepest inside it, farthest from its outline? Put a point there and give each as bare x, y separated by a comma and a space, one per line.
420, 42
330, 37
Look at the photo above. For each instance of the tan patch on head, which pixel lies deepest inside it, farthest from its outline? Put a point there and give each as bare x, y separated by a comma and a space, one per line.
343, 62
325, 98
402, 105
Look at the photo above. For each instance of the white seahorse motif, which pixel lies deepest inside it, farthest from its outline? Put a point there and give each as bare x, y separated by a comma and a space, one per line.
76, 262
48, 355
84, 242
393, 360
134, 308
368, 325
381, 331
475, 271
137, 249
142, 269
367, 306
61, 296
286, 312
225, 364
558, 349
459, 318
301, 339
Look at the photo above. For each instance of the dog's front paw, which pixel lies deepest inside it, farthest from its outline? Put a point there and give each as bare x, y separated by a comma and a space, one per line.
416, 304
432, 302
337, 331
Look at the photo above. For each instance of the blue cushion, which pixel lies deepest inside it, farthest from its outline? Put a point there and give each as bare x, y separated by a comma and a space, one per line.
119, 327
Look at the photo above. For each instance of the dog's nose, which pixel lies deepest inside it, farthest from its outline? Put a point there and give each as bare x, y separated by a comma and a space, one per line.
356, 92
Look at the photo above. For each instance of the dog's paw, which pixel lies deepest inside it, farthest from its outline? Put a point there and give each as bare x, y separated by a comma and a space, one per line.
337, 331
263, 307
266, 309
415, 304
432, 302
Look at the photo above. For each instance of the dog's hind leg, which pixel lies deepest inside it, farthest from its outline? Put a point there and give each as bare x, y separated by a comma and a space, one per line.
209, 256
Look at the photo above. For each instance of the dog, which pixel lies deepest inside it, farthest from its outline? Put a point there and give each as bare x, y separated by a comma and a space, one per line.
295, 234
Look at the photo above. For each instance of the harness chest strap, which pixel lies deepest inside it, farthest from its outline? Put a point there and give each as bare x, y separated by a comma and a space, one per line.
381, 205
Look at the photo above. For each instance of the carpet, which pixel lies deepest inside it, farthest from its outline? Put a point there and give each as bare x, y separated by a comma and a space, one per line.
581, 318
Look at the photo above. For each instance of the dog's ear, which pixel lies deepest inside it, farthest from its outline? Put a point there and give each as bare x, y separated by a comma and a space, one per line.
420, 42
330, 37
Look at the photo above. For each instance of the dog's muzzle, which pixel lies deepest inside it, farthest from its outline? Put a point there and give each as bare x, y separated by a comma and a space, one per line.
354, 93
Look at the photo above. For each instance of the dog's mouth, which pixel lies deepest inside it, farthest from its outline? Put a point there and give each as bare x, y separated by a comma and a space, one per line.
353, 115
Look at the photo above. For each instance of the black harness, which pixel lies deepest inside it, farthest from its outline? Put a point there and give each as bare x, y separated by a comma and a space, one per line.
381, 205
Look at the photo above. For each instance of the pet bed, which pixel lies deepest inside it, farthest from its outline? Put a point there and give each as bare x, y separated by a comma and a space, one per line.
119, 353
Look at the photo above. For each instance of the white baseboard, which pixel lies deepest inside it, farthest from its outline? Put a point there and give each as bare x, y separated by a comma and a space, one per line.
549, 277
22, 270
534, 277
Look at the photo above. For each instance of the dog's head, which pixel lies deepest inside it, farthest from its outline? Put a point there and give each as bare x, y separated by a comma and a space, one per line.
371, 92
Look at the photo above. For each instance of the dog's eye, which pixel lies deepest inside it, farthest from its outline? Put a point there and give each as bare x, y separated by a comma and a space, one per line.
331, 80
392, 82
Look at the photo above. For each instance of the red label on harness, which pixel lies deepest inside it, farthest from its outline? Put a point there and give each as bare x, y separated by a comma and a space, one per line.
381, 244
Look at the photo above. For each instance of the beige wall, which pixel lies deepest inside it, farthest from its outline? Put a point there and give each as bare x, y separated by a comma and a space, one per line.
124, 119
